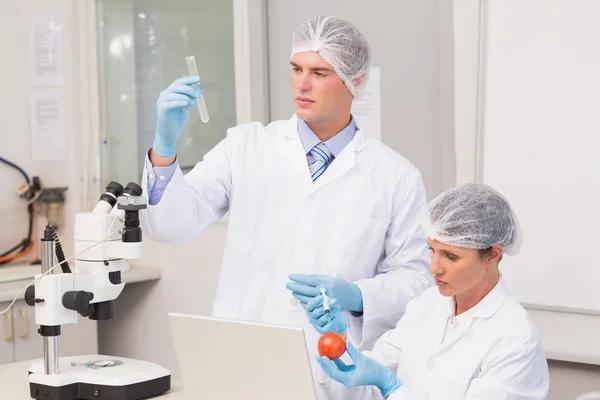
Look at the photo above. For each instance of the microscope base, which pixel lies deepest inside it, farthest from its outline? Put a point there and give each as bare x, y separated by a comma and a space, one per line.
99, 377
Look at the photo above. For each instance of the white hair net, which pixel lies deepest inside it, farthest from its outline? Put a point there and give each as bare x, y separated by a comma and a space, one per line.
473, 216
340, 44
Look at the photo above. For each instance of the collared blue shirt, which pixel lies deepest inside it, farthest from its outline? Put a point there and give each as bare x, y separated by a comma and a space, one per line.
336, 144
159, 177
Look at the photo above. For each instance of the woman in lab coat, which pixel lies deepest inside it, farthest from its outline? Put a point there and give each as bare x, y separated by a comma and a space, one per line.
467, 338
315, 197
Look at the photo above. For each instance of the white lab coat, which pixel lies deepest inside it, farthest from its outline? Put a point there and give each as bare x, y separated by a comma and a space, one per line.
493, 354
359, 221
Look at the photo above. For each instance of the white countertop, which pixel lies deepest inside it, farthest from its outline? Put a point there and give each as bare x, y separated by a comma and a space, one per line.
14, 278
14, 383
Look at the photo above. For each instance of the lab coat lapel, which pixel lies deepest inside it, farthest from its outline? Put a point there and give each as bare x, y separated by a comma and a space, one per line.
437, 318
295, 156
343, 163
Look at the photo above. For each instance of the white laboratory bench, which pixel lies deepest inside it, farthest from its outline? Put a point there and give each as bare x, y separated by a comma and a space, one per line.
14, 384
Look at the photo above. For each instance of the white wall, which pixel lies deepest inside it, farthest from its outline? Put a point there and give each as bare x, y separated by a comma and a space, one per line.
15, 145
567, 379
16, 83
466, 50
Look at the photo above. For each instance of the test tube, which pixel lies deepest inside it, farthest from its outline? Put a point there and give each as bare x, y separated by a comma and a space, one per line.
191, 62
326, 305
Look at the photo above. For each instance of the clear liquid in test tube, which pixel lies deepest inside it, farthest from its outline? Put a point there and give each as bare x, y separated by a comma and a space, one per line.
200, 102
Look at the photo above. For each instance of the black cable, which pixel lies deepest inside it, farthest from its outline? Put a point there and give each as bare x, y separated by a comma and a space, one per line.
30, 230
60, 255
25, 242
11, 250
15, 166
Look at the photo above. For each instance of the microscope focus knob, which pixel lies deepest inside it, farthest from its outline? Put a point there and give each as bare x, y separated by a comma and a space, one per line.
30, 296
77, 301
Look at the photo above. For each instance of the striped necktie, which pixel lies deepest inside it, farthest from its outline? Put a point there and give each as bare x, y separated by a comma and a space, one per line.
321, 155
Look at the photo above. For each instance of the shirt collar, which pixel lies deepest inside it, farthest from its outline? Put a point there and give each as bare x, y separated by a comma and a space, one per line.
336, 144
486, 307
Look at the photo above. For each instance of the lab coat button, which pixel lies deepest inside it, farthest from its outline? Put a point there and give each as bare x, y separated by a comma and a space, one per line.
295, 302
302, 247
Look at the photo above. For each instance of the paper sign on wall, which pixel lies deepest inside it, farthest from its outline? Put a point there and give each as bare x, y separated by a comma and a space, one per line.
47, 51
48, 140
367, 109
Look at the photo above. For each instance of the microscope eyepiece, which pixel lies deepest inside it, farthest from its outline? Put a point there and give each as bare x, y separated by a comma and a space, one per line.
115, 188
112, 192
133, 189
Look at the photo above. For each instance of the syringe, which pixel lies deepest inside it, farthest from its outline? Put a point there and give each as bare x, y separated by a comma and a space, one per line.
326, 305
191, 62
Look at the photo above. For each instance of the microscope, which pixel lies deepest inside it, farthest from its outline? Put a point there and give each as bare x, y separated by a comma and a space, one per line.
104, 238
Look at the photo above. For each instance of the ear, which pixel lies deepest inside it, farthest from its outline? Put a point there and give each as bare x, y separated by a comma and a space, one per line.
359, 78
495, 254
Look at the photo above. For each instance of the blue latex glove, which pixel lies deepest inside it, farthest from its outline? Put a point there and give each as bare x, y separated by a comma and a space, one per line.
363, 372
306, 287
172, 109
335, 321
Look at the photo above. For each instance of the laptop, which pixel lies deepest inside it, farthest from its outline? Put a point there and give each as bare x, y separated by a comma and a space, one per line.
227, 359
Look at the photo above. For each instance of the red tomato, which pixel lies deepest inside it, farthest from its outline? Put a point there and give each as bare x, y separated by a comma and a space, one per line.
331, 345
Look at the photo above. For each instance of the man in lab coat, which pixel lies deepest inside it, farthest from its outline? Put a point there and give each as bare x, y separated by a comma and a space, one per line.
314, 197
